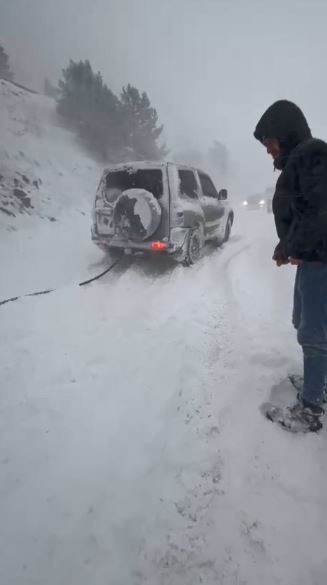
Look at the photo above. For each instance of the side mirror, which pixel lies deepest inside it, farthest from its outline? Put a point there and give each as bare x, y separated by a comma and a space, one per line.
223, 194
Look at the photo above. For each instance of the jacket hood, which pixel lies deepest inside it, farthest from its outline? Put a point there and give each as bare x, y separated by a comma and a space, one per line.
285, 122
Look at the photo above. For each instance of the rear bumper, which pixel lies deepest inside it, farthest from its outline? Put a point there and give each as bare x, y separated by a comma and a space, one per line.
175, 243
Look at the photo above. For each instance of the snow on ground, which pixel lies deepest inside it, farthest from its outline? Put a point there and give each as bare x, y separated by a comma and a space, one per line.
132, 446
133, 449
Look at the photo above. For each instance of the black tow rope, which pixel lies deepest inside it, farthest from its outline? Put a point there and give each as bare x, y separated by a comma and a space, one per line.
50, 290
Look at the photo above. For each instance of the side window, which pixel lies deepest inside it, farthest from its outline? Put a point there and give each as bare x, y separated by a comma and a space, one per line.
187, 183
208, 188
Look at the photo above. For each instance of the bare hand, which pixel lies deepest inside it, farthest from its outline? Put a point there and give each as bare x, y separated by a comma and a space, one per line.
296, 261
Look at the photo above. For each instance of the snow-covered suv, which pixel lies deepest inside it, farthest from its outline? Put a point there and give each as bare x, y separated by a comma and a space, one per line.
166, 207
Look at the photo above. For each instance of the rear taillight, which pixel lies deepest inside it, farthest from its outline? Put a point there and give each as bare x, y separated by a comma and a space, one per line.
159, 246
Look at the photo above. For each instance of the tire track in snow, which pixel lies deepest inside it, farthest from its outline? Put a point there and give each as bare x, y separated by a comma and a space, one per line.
186, 557
191, 561
189, 555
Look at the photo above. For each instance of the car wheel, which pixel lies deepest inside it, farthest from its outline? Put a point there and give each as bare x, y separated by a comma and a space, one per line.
228, 229
194, 247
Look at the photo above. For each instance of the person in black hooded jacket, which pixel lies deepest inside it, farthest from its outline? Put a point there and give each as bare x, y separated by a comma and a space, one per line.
300, 211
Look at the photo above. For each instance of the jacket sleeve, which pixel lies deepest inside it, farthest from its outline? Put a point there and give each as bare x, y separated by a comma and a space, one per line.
311, 228
282, 209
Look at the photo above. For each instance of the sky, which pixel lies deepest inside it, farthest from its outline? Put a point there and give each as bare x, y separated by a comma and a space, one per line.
210, 67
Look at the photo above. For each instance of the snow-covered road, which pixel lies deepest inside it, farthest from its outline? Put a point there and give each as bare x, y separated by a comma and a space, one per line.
132, 446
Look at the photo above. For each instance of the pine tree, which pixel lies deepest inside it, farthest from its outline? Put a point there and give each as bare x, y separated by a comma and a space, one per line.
117, 130
5, 71
90, 107
75, 89
141, 125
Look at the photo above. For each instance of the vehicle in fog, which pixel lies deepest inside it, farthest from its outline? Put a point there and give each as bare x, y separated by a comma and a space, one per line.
254, 202
144, 207
259, 201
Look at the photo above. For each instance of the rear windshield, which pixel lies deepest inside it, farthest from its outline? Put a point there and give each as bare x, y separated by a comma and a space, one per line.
149, 179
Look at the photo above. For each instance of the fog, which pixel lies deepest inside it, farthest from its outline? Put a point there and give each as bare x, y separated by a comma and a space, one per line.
210, 67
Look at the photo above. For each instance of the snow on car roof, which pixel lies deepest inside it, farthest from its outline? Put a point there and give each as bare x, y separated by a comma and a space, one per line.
143, 164
135, 165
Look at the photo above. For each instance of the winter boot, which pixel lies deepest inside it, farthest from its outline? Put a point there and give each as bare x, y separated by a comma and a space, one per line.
303, 417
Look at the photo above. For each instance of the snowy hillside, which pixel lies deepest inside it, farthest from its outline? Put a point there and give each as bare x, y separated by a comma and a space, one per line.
133, 450
40, 163
47, 185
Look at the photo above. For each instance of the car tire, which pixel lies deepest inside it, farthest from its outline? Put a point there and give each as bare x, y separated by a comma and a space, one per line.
228, 229
194, 246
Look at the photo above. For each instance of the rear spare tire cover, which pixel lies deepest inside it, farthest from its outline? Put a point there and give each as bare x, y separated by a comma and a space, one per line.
137, 214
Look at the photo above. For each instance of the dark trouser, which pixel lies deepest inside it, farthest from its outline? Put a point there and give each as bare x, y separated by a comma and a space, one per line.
310, 320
